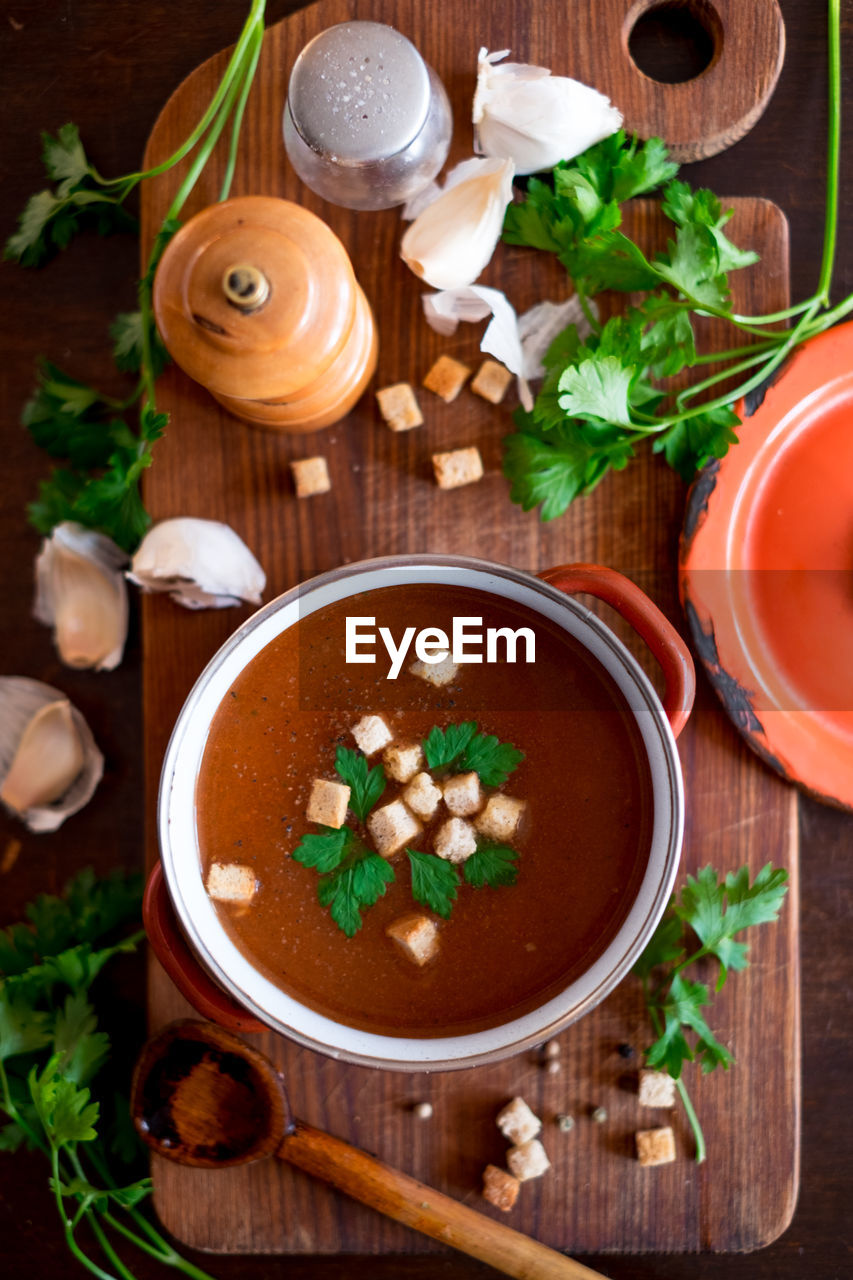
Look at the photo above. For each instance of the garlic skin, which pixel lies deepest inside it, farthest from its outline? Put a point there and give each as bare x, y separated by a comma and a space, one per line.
202, 564
519, 342
536, 119
49, 763
452, 240
82, 594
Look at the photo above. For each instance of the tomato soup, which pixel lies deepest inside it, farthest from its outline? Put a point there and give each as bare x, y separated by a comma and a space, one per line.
582, 849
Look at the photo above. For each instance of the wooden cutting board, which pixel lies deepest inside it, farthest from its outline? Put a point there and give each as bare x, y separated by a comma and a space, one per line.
384, 501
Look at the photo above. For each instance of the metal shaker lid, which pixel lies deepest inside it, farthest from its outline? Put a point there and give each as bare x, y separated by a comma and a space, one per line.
359, 92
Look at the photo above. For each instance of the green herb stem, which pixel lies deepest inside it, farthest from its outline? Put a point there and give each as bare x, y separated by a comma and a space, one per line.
248, 80
103, 1240
698, 1135
234, 70
696, 388
164, 1254
750, 348
67, 1226
833, 153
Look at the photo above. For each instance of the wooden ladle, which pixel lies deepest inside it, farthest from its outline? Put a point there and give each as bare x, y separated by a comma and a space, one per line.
201, 1096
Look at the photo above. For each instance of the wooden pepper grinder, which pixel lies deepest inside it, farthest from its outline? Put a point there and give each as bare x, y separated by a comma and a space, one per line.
256, 299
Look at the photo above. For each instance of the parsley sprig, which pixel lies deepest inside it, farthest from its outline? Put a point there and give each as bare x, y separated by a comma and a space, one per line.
480, 753
366, 785
352, 876
51, 1054
712, 910
103, 455
605, 395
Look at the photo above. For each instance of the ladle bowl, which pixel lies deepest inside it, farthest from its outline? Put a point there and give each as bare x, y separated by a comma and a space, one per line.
201, 1096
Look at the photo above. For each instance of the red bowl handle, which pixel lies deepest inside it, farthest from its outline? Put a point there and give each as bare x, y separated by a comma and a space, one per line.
636, 608
171, 949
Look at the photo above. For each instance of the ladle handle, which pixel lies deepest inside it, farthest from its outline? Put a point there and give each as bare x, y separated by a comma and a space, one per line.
645, 617
411, 1202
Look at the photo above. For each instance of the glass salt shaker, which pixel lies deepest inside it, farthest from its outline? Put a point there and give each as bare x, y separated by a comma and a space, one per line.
367, 123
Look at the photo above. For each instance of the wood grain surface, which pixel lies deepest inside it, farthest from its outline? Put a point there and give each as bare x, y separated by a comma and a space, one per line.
383, 501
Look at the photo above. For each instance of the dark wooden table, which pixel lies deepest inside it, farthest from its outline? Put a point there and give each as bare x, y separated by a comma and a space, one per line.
109, 65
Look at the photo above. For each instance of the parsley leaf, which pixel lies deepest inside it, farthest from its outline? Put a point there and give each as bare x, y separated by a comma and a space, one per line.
63, 1108
351, 887
434, 881
443, 746
492, 865
82, 198
552, 466
128, 344
324, 852
716, 912
480, 753
22, 1028
351, 876
688, 445
492, 759
366, 785
598, 388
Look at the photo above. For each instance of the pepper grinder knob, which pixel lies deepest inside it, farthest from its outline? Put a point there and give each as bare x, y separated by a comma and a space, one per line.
245, 286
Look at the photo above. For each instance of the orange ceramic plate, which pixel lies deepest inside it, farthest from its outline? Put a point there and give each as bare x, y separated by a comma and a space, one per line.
766, 571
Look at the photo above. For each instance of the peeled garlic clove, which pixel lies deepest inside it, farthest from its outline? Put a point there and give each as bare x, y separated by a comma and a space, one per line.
49, 763
202, 564
453, 239
82, 594
536, 119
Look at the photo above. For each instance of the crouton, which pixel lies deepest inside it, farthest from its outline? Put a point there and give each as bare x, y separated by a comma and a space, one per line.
462, 794
447, 377
310, 475
399, 408
437, 673
517, 1122
391, 827
528, 1160
402, 762
657, 1088
458, 467
491, 381
422, 795
372, 734
328, 803
655, 1146
416, 935
501, 817
500, 1188
231, 882
455, 840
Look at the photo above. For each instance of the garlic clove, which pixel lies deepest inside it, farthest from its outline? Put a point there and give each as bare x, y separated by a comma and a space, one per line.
452, 241
49, 763
534, 118
202, 564
48, 759
82, 594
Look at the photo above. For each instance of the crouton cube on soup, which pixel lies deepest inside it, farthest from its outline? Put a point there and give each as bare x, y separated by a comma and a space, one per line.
371, 734
391, 827
328, 803
416, 935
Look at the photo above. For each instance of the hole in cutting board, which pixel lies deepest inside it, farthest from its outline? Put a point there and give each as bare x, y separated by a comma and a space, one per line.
675, 41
